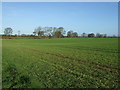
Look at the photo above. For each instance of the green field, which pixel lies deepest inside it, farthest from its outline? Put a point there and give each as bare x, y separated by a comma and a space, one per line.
60, 63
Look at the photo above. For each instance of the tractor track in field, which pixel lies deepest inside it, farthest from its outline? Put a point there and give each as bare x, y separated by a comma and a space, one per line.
78, 75
75, 73
93, 63
94, 49
61, 56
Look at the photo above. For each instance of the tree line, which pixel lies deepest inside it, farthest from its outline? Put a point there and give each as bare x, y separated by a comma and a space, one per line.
57, 32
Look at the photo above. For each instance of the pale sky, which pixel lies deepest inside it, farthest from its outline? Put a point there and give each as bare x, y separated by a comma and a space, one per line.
96, 17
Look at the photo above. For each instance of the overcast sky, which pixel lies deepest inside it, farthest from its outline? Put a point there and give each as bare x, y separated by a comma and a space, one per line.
96, 17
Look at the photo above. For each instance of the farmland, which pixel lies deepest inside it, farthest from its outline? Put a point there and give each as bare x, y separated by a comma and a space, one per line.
60, 63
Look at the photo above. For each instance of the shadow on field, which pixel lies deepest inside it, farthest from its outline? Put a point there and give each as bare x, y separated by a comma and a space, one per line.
12, 78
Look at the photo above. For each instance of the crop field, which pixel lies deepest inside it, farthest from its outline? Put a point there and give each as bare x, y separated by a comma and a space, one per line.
60, 63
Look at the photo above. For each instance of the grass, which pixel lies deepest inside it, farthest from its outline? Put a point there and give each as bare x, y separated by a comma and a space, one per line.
60, 63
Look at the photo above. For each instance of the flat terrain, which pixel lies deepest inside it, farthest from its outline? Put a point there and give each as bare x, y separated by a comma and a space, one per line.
58, 63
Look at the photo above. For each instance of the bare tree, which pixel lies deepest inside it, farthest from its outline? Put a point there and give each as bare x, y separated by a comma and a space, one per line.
8, 31
39, 31
75, 34
72, 34
69, 33
58, 32
98, 35
84, 34
49, 31
101, 35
